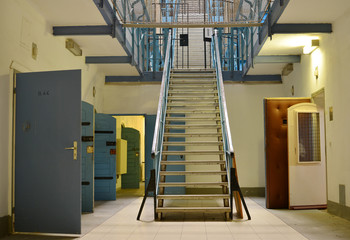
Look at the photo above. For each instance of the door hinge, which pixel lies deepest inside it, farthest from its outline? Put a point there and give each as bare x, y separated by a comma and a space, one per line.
14, 90
13, 210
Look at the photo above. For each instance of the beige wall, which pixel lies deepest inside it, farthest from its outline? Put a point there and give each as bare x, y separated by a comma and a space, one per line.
333, 63
21, 25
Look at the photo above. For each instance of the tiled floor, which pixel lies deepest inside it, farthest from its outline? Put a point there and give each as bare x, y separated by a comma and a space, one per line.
117, 220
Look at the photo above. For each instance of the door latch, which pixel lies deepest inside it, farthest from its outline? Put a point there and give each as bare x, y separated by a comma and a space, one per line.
75, 150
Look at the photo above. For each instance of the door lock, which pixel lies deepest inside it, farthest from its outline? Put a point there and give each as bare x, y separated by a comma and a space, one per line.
75, 150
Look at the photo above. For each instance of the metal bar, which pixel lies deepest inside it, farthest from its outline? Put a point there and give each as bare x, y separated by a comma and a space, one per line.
82, 30
290, 28
277, 59
107, 59
222, 94
161, 96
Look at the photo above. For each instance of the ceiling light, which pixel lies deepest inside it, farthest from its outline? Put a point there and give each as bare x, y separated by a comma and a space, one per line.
314, 43
73, 47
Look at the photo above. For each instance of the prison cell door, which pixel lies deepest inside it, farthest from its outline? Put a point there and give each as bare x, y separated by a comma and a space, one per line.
47, 152
105, 157
306, 157
87, 158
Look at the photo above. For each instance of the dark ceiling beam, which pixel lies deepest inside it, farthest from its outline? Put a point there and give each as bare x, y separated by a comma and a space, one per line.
292, 28
107, 59
82, 30
228, 76
277, 59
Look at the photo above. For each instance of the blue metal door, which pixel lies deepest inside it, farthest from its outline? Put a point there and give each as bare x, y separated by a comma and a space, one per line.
105, 157
47, 152
87, 158
132, 178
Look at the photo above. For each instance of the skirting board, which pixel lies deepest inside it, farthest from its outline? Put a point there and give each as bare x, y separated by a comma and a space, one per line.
338, 210
4, 226
247, 192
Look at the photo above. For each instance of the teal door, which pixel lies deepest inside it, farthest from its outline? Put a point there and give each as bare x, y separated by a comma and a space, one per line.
150, 121
132, 178
105, 157
47, 152
87, 158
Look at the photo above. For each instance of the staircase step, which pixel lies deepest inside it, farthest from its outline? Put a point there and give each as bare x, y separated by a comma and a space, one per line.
194, 152
192, 81
194, 104
185, 119
194, 75
201, 93
194, 209
191, 111
192, 184
180, 135
167, 126
193, 86
181, 173
193, 99
194, 143
193, 90
195, 196
193, 162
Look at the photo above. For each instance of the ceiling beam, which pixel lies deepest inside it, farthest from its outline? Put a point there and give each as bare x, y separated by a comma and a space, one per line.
291, 28
82, 30
277, 59
228, 76
107, 59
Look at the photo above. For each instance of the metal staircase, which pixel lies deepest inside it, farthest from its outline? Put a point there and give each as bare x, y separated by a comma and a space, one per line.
193, 106
192, 144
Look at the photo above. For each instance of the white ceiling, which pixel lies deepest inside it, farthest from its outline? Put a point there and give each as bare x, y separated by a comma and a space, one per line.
81, 13
299, 11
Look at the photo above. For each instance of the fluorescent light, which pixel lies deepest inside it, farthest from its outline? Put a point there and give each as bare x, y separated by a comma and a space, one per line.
315, 43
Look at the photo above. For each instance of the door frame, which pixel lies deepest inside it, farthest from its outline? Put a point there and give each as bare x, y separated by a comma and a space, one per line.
135, 115
315, 95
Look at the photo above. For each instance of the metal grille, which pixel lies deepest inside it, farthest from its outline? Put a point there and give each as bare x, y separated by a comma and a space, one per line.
190, 13
309, 137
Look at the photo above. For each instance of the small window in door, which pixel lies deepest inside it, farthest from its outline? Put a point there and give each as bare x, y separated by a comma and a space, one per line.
309, 137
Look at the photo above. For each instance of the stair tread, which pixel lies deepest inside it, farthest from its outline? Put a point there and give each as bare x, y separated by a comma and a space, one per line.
192, 118
176, 196
194, 162
193, 184
195, 151
194, 209
192, 173
193, 143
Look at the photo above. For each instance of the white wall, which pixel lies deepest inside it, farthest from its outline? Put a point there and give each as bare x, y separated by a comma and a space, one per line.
20, 26
333, 63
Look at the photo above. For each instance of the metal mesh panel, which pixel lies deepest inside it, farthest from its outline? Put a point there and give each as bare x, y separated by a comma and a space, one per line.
309, 137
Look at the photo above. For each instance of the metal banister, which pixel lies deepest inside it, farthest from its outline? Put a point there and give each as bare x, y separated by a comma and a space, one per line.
226, 124
165, 77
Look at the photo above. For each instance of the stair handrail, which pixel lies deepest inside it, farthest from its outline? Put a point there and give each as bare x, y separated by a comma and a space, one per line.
223, 108
162, 104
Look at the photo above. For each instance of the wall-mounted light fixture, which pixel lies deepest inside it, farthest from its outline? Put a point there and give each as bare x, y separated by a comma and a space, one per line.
313, 44
73, 47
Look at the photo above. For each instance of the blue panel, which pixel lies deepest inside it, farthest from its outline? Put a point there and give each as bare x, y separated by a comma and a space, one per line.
47, 178
132, 178
87, 163
105, 160
150, 121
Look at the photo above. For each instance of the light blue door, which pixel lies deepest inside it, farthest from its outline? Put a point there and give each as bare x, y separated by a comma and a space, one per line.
132, 178
47, 174
87, 158
105, 157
